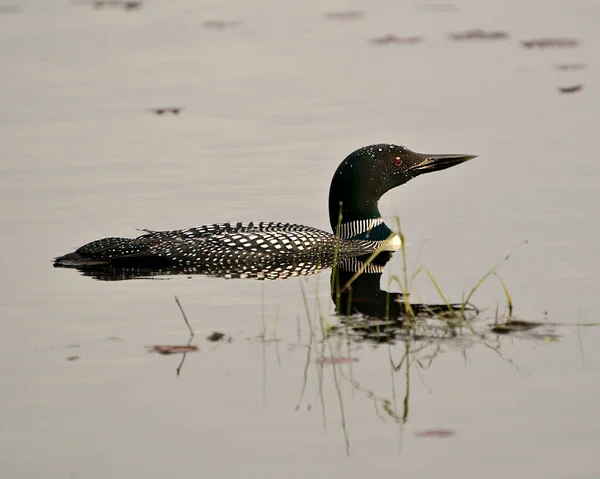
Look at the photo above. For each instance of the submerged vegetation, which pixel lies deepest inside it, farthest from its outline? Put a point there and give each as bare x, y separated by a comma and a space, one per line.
399, 309
414, 333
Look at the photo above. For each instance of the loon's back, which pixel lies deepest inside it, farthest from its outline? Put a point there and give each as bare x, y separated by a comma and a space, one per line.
220, 245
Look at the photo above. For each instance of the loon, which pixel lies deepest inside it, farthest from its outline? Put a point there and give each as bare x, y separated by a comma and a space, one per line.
278, 250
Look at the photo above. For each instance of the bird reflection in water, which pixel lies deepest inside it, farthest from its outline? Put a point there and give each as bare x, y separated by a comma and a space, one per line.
373, 313
377, 315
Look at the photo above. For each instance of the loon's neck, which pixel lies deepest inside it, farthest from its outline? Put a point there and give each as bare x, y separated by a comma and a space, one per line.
368, 228
354, 215
352, 196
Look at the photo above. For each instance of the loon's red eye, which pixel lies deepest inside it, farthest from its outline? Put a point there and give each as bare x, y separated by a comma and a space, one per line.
397, 161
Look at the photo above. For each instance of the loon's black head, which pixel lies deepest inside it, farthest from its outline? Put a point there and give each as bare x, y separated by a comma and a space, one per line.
369, 172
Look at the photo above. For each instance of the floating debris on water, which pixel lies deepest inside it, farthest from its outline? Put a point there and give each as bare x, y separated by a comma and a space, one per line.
344, 15
216, 337
392, 39
439, 433
173, 349
106, 3
171, 110
72, 358
570, 89
479, 34
514, 325
550, 42
132, 5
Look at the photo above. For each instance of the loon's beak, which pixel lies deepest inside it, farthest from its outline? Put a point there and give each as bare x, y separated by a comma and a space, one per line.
438, 162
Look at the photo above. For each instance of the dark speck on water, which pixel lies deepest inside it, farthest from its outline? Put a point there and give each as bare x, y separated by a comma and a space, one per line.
479, 34
550, 42
162, 111
570, 89
132, 5
393, 39
173, 349
215, 336
512, 326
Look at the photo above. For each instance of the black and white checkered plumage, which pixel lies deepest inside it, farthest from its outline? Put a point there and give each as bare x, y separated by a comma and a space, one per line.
258, 250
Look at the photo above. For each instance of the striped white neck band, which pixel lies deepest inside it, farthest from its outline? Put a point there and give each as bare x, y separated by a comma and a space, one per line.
353, 228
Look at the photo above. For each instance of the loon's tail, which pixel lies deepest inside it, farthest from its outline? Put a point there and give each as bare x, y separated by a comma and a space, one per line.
123, 252
74, 260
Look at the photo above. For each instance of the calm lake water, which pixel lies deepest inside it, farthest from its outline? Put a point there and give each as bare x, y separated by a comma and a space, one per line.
272, 104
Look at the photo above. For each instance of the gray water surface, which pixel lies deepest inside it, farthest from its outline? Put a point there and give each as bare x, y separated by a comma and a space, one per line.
272, 105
